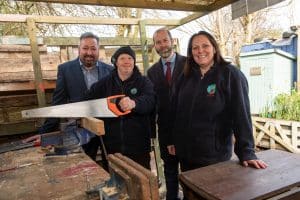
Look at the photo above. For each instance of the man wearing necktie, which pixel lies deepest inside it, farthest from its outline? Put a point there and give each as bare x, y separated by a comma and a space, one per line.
163, 75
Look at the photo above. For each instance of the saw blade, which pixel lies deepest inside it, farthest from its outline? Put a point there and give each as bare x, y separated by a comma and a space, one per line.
91, 108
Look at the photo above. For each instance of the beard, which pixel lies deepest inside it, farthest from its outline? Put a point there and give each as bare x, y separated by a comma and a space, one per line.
164, 53
88, 61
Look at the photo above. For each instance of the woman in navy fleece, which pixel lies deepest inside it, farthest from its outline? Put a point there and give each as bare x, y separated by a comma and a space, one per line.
211, 104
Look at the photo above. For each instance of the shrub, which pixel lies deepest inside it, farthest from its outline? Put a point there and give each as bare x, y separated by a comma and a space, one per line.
285, 106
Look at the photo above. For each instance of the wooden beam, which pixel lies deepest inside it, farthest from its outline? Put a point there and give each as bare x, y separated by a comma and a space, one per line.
94, 125
11, 40
24, 86
36, 61
19, 48
188, 19
143, 36
212, 7
85, 20
104, 41
162, 5
15, 128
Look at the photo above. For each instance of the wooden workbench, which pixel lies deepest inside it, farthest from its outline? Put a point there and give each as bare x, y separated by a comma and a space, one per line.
28, 174
231, 181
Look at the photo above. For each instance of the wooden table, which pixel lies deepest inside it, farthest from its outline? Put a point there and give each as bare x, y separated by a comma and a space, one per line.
28, 174
231, 181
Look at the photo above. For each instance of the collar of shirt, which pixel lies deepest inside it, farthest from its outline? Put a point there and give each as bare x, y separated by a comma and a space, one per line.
172, 61
90, 75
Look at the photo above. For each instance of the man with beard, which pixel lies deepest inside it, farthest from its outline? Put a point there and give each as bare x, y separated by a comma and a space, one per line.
163, 75
74, 78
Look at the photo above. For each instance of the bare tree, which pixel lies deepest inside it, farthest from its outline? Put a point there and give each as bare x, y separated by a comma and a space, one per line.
52, 9
232, 34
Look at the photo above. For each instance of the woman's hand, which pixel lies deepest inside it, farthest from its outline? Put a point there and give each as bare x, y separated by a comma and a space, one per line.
171, 150
127, 104
258, 164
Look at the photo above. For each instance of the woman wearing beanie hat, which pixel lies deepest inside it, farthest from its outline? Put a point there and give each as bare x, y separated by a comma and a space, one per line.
128, 134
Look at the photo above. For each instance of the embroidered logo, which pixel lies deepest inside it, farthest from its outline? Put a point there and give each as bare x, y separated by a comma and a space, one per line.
211, 90
133, 91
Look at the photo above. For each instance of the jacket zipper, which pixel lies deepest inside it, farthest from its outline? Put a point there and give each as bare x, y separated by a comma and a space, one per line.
122, 124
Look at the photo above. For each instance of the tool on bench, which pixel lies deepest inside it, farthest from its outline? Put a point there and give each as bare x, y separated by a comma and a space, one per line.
17, 145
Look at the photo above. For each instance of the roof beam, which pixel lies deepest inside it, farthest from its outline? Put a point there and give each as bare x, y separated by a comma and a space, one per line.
84, 20
162, 5
215, 6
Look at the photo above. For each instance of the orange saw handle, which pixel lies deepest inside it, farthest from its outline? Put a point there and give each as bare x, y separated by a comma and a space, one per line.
112, 106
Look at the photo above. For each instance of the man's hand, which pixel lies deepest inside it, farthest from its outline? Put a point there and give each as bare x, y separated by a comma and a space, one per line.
171, 150
258, 164
36, 139
127, 104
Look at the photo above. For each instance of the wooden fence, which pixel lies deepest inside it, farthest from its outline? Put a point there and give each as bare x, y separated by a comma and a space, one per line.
276, 134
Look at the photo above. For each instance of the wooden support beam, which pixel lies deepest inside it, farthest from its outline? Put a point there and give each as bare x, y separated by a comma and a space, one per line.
94, 125
104, 41
200, 13
19, 48
143, 37
24, 86
36, 61
85, 20
163, 5
15, 128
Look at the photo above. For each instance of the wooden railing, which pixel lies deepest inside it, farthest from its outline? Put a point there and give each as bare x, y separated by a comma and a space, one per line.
276, 134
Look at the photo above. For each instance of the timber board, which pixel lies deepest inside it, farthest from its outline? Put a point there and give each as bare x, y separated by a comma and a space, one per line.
58, 177
231, 181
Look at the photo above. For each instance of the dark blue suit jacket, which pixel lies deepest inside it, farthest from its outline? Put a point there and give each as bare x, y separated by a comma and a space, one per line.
70, 87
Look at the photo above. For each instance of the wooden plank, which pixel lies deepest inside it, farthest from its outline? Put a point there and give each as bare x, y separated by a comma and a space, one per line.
165, 5
16, 55
48, 62
265, 143
14, 78
19, 48
24, 86
282, 122
272, 141
231, 181
40, 90
94, 125
29, 174
275, 137
295, 135
104, 41
282, 135
21, 100
143, 36
84, 20
15, 128
70, 52
18, 40
261, 133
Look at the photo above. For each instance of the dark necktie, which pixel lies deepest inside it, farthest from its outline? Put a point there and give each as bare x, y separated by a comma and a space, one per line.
168, 72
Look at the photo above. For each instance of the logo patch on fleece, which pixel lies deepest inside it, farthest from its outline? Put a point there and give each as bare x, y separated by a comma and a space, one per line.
211, 90
133, 91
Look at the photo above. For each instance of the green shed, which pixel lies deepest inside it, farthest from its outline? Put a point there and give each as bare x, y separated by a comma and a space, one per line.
269, 73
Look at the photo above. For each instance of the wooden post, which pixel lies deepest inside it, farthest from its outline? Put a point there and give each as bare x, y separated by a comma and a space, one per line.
143, 37
36, 61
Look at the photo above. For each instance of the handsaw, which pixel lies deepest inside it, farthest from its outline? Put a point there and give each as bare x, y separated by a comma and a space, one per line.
17, 145
105, 107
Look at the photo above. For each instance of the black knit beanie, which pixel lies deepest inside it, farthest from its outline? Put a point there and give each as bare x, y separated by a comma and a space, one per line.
122, 50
